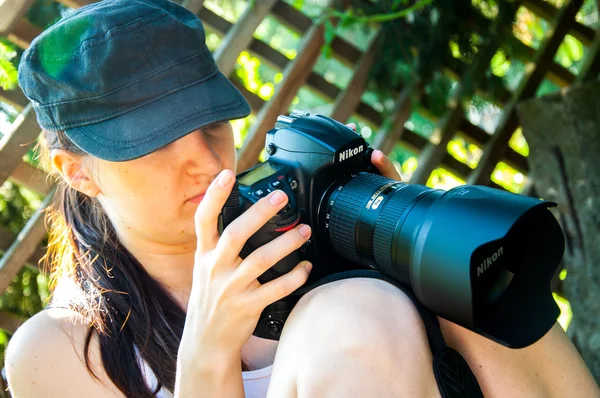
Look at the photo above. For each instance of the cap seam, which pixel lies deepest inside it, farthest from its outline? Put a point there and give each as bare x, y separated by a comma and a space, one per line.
85, 45
202, 53
112, 115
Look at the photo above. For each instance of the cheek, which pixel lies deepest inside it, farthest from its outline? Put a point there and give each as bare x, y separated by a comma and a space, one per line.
132, 196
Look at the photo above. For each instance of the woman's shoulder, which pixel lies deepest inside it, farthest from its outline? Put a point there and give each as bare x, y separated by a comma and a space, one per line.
47, 354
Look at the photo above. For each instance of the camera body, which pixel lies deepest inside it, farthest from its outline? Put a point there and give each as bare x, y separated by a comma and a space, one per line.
480, 257
307, 155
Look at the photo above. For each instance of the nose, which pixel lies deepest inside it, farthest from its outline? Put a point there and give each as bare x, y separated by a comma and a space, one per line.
200, 155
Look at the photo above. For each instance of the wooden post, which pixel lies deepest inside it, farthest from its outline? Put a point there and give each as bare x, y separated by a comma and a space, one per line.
31, 177
241, 35
294, 76
26, 243
10, 322
76, 3
394, 127
496, 148
7, 238
193, 5
12, 11
347, 101
14, 97
546, 10
23, 33
15, 144
591, 64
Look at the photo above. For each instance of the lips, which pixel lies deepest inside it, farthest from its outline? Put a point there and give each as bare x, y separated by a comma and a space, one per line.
196, 199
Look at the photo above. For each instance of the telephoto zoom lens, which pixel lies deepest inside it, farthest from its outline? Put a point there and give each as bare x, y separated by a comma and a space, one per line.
471, 254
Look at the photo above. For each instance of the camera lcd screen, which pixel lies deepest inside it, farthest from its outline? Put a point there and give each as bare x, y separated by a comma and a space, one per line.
262, 171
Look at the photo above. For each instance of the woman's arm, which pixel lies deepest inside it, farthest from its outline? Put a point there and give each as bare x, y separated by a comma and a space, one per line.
45, 359
551, 366
219, 374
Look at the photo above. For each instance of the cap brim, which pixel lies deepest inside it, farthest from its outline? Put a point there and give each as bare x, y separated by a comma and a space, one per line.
154, 125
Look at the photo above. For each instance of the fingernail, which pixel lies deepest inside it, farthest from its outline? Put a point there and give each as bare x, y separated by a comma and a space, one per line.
307, 266
225, 178
277, 198
304, 230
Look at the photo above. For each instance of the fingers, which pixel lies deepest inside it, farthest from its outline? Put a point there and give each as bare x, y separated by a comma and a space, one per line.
242, 228
283, 286
207, 213
269, 254
385, 165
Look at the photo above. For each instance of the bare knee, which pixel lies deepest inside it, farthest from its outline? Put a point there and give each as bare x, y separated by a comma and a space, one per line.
354, 338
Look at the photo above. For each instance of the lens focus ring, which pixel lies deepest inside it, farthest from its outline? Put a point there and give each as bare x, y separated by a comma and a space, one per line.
346, 210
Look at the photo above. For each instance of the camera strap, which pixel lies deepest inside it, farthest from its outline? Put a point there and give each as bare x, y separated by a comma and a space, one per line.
452, 373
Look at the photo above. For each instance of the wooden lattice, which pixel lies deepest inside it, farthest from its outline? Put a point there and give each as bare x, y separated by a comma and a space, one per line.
24, 249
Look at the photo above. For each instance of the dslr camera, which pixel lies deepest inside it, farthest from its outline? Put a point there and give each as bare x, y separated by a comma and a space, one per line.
477, 256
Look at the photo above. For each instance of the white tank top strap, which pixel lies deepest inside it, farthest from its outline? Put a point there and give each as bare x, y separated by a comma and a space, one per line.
256, 382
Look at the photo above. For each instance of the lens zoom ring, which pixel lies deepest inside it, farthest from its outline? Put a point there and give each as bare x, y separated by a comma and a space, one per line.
342, 223
386, 226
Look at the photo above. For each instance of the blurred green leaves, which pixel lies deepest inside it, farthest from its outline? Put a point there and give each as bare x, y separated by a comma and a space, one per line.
8, 71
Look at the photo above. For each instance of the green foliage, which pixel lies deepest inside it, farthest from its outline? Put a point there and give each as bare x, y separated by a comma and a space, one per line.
419, 37
17, 204
8, 71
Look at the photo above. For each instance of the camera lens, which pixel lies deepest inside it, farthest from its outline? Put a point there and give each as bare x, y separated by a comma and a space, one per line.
469, 254
364, 216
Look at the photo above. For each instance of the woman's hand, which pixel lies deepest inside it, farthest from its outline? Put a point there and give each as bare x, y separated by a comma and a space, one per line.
226, 299
382, 162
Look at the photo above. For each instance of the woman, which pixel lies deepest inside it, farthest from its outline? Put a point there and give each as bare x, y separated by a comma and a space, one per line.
149, 299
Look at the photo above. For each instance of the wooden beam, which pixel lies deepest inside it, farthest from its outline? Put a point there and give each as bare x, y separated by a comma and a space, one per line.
15, 144
23, 33
450, 163
546, 10
413, 140
516, 161
294, 76
591, 64
475, 133
393, 128
9, 321
14, 97
524, 53
12, 11
194, 5
276, 59
76, 3
496, 148
7, 238
343, 51
32, 178
240, 35
347, 101
26, 243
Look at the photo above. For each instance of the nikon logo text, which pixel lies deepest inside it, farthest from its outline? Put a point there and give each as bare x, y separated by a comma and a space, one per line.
487, 263
348, 153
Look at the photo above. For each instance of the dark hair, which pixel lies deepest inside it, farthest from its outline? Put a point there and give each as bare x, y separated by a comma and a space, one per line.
101, 280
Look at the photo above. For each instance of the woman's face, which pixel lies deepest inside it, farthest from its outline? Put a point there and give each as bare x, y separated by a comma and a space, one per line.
154, 198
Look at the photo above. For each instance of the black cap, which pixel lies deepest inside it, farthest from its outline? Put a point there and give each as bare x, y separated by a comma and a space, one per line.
123, 78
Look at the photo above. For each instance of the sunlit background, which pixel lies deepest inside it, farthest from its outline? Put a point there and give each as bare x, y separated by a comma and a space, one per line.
29, 289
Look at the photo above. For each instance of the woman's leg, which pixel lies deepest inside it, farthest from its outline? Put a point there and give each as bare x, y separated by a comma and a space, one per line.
354, 338
363, 337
